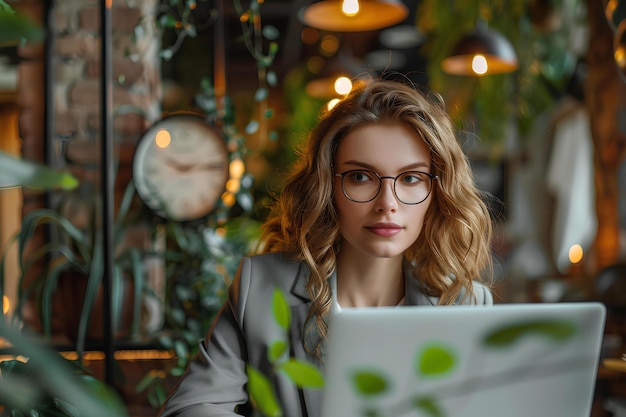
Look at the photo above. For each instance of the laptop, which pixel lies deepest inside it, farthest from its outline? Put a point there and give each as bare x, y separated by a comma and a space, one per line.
513, 360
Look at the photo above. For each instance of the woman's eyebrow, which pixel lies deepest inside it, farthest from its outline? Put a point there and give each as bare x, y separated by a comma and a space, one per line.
365, 165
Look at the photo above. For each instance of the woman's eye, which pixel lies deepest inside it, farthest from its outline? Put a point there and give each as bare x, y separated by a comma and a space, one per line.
412, 178
360, 176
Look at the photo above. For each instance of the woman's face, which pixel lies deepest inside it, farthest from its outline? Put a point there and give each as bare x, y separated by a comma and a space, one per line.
383, 227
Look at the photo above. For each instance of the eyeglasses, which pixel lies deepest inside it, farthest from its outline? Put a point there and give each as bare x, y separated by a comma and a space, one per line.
410, 187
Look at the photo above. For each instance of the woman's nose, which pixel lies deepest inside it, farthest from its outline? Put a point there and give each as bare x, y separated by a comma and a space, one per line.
386, 199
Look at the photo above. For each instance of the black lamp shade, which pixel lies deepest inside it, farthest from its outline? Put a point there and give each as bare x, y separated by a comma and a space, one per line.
497, 51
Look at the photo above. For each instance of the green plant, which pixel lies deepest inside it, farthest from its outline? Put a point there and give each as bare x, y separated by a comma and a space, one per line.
302, 374
200, 263
80, 251
15, 172
43, 383
15, 27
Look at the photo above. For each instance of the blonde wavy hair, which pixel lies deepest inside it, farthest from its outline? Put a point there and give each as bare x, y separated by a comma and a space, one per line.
454, 246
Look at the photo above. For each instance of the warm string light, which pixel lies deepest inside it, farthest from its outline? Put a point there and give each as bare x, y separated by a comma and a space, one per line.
575, 253
236, 169
6, 304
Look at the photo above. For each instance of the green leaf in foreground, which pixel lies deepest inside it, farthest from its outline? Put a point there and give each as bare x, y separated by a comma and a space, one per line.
303, 374
428, 406
16, 172
553, 330
16, 27
435, 360
277, 349
280, 309
262, 394
369, 383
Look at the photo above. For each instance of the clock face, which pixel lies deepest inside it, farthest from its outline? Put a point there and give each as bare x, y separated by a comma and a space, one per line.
181, 167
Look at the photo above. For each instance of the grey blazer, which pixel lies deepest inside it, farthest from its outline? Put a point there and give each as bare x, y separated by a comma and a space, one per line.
215, 383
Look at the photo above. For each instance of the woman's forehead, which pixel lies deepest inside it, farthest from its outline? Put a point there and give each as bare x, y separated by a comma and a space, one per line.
385, 145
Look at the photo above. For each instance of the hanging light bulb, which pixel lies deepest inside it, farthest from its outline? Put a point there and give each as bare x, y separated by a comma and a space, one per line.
482, 52
480, 65
350, 7
343, 85
354, 15
327, 87
335, 77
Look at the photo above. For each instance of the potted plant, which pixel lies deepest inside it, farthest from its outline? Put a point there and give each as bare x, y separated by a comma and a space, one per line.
76, 254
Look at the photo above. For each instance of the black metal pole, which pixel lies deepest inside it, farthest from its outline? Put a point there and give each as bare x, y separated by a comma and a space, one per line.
107, 184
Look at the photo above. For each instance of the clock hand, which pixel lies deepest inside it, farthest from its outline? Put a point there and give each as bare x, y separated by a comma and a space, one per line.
210, 166
180, 167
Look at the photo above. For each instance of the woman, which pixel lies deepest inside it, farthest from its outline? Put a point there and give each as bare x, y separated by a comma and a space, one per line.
380, 210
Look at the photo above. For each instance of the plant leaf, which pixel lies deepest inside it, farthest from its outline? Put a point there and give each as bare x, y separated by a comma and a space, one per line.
277, 349
261, 94
138, 280
166, 54
552, 330
262, 394
303, 374
368, 383
94, 281
280, 309
272, 78
52, 377
15, 172
252, 127
245, 200
15, 27
180, 348
428, 406
435, 360
167, 21
270, 32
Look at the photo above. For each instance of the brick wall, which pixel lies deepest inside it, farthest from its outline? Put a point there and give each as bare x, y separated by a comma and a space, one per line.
76, 67
74, 71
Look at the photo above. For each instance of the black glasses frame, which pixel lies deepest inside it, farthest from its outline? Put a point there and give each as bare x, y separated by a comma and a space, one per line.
380, 184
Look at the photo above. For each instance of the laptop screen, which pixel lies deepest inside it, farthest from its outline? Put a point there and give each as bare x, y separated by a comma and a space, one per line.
509, 360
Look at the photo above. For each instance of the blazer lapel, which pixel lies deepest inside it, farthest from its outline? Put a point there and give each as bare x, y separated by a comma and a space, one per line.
413, 292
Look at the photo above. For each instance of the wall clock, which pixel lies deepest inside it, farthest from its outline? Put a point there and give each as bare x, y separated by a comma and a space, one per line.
180, 167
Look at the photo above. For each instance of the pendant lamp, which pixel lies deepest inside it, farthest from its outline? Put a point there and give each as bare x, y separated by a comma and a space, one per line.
335, 78
354, 15
482, 52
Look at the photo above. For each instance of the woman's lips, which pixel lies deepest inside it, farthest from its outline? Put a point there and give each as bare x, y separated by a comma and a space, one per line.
384, 229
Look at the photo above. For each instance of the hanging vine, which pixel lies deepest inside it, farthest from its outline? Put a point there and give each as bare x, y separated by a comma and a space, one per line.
203, 256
